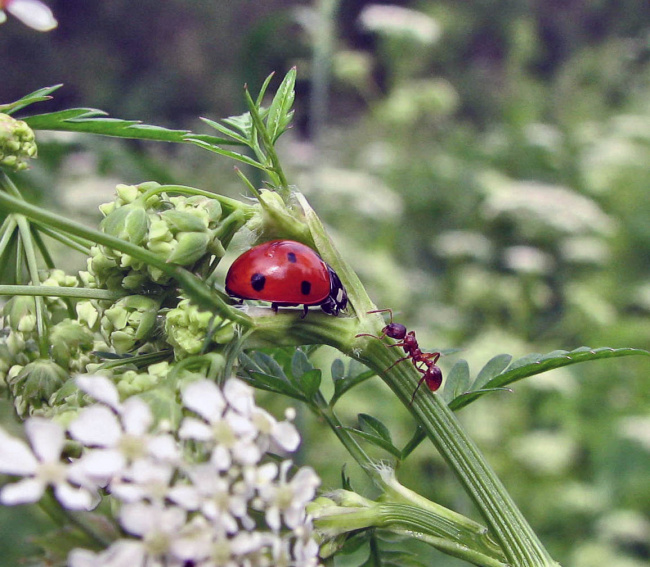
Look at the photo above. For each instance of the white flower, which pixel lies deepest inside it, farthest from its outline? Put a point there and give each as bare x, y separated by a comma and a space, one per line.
220, 500
231, 433
157, 526
42, 467
121, 553
118, 435
287, 500
33, 13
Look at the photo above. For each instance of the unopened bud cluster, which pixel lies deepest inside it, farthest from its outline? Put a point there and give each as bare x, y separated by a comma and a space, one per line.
17, 143
38, 356
180, 230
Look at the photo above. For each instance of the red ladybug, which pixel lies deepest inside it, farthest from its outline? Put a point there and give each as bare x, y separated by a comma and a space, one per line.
286, 273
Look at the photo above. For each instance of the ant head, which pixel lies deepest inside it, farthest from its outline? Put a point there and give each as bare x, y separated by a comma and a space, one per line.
395, 331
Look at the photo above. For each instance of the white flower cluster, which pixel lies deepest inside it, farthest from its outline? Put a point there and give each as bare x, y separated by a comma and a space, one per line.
204, 496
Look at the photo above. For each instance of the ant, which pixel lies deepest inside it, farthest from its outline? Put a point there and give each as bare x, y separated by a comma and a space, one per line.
424, 362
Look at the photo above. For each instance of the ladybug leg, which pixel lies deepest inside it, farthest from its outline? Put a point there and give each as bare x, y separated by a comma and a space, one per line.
275, 307
304, 312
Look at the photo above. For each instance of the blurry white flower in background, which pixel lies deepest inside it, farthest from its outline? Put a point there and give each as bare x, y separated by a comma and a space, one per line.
32, 13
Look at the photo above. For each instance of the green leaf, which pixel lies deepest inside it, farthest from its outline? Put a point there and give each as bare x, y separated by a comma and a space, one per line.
279, 115
265, 85
375, 440
224, 130
356, 374
228, 153
310, 382
457, 381
537, 363
93, 121
418, 436
337, 369
243, 123
300, 364
495, 366
37, 96
370, 424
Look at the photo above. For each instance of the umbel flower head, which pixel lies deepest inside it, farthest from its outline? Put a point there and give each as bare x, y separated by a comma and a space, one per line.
204, 496
16, 140
32, 13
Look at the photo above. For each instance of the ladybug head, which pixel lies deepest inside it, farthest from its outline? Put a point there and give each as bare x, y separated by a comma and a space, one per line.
337, 300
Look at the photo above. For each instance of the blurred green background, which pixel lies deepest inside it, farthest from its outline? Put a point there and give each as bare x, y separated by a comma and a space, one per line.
484, 165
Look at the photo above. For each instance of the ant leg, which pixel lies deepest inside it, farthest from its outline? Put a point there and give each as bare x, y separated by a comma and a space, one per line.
417, 388
383, 311
397, 362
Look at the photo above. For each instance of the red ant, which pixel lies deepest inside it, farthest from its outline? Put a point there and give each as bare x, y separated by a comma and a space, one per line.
424, 362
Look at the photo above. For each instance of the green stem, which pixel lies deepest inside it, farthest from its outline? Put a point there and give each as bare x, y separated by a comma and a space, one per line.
519, 542
55, 291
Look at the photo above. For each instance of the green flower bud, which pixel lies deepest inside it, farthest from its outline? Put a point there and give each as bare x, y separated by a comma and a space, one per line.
87, 313
16, 143
189, 329
20, 313
129, 222
211, 206
191, 246
274, 219
129, 322
182, 221
71, 342
127, 193
132, 382
37, 381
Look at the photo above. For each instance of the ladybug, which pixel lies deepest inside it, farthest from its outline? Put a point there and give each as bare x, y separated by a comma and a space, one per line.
286, 273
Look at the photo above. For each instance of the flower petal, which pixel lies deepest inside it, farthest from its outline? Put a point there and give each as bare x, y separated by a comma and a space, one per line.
239, 395
96, 426
33, 13
73, 498
23, 492
136, 416
15, 456
204, 398
101, 388
46, 438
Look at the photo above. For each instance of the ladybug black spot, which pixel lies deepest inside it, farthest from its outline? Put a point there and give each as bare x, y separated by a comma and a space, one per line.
258, 281
305, 287
292, 258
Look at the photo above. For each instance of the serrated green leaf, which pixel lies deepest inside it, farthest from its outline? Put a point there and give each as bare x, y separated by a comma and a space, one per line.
228, 153
264, 363
372, 425
279, 115
224, 130
37, 96
265, 85
93, 121
300, 364
537, 363
273, 384
344, 384
495, 365
310, 382
375, 440
457, 381
243, 123
337, 369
